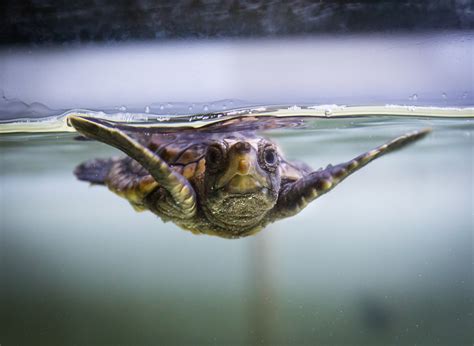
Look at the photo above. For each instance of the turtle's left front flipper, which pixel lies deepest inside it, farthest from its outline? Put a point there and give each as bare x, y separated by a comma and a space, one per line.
178, 187
297, 195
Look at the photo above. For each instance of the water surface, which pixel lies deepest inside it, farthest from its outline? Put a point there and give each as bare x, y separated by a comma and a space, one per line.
385, 258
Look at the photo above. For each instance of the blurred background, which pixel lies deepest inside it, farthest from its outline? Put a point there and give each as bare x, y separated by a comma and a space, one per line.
96, 54
384, 259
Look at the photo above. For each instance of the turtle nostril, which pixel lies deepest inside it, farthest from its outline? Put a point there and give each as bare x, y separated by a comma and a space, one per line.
242, 146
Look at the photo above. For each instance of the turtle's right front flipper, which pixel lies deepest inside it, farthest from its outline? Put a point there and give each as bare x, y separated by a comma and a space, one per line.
296, 195
178, 187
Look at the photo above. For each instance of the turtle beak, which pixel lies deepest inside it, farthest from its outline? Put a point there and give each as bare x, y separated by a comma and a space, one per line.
243, 174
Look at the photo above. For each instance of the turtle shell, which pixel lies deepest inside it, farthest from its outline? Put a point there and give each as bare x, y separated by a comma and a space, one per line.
185, 155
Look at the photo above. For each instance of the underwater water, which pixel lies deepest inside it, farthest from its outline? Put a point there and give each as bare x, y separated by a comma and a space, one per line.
384, 258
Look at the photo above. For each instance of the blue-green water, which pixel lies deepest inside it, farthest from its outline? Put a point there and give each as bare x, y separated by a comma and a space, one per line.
385, 258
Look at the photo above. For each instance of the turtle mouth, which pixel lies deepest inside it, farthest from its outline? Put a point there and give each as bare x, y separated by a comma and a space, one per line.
241, 185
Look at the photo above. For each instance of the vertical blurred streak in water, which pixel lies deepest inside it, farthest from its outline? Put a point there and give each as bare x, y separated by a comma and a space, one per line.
263, 309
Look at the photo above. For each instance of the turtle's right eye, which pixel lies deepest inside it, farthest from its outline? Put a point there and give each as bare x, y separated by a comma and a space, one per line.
214, 158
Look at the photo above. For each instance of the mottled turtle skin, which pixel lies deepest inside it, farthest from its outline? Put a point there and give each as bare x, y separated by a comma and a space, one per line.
229, 184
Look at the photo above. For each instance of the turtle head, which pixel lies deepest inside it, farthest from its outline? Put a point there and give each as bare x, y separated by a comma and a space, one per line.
242, 181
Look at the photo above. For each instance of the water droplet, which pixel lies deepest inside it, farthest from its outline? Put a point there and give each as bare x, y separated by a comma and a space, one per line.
147, 109
205, 108
444, 96
122, 108
413, 97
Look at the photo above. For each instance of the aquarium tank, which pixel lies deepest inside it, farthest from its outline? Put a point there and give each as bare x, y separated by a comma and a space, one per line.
213, 172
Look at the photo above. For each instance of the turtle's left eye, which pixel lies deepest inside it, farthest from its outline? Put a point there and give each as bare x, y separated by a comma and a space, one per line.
269, 157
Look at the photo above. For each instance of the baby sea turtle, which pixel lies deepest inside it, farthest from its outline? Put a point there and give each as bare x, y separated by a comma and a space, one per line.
230, 184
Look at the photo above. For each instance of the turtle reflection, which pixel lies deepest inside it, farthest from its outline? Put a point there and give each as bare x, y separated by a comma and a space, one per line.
228, 183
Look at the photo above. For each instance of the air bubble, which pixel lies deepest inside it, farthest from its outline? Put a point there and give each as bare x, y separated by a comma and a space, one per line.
147, 109
327, 112
444, 96
162, 107
169, 105
122, 108
205, 108
413, 97
224, 106
190, 108
464, 95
